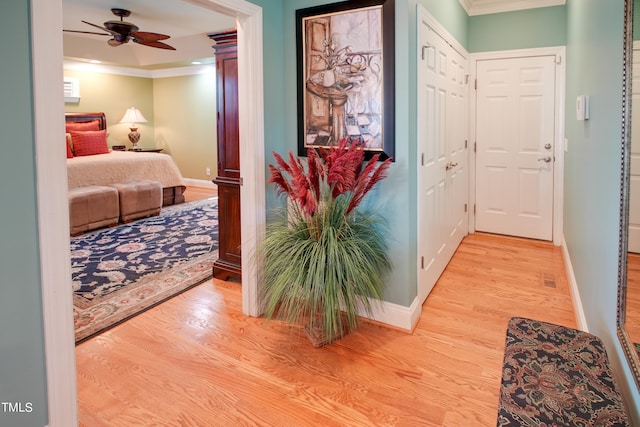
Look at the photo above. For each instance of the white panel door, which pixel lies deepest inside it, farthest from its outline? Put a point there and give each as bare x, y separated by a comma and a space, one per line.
442, 169
634, 183
515, 130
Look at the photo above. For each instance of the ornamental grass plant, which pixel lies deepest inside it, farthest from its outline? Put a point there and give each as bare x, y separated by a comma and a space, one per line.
325, 257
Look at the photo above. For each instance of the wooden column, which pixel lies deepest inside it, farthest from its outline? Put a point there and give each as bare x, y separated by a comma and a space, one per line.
228, 179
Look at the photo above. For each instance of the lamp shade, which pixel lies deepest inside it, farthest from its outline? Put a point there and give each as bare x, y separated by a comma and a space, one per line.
133, 115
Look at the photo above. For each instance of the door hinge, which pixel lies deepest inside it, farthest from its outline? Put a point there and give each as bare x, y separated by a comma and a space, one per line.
422, 159
475, 145
465, 144
465, 207
475, 84
474, 208
422, 262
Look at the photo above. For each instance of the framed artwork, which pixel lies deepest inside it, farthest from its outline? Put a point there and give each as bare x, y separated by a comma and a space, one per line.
345, 70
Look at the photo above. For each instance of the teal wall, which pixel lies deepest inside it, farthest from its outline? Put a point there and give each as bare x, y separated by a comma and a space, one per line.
541, 27
394, 205
22, 367
395, 196
592, 167
448, 13
276, 119
636, 18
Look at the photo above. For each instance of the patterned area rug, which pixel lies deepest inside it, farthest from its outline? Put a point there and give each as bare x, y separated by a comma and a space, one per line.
119, 272
557, 376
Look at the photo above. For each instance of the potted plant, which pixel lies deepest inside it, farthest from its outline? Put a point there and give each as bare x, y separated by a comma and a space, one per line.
325, 256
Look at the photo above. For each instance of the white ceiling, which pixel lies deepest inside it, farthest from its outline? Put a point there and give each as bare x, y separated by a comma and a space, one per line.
187, 24
483, 7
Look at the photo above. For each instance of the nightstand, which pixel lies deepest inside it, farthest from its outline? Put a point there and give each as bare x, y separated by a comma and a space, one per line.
147, 150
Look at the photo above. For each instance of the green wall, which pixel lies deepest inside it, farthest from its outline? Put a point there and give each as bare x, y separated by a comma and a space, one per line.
180, 111
592, 168
22, 362
185, 122
276, 119
450, 14
113, 94
636, 18
541, 27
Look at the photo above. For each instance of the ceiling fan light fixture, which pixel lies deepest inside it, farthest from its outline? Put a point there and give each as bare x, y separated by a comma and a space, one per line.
114, 42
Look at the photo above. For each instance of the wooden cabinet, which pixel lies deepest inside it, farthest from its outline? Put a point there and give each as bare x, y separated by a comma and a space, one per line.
228, 178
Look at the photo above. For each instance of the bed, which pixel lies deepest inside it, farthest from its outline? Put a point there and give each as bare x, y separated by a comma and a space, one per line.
113, 166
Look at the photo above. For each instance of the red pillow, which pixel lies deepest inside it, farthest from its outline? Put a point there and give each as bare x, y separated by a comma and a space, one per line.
89, 142
81, 126
69, 152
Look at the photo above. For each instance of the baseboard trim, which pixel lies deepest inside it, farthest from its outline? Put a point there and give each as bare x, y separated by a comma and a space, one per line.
203, 183
581, 319
398, 316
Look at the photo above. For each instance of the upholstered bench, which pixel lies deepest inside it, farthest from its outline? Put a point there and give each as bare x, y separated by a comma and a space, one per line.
139, 199
92, 207
557, 376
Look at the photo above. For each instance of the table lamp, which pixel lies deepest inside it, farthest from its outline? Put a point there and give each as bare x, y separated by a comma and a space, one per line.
133, 116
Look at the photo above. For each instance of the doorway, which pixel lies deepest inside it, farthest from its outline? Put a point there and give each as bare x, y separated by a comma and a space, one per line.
514, 146
442, 150
51, 183
517, 129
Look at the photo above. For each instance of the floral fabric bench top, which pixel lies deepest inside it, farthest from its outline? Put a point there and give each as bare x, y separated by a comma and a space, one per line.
557, 376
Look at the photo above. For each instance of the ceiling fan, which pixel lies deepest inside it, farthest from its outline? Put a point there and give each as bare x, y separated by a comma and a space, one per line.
122, 31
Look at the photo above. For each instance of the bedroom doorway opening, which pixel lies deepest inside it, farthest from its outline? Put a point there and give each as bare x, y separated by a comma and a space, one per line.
47, 54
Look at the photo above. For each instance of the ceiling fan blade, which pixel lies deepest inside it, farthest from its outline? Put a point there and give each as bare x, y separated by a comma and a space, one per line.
102, 28
86, 32
159, 45
148, 37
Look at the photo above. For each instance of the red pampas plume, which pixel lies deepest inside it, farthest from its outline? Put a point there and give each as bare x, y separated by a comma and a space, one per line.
340, 167
370, 176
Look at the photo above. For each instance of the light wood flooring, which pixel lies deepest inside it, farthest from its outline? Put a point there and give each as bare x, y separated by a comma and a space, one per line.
196, 360
195, 193
632, 322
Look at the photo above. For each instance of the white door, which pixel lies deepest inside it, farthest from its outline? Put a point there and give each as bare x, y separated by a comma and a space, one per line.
634, 183
442, 167
515, 131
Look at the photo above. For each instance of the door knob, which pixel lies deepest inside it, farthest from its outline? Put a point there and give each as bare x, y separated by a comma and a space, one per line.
545, 159
547, 146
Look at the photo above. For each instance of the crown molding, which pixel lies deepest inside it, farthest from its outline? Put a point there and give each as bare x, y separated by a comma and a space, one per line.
484, 7
136, 72
183, 71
